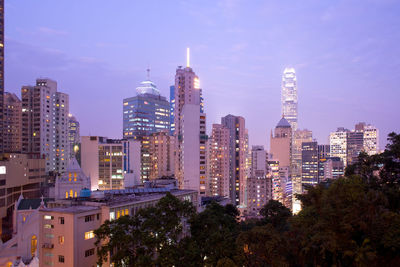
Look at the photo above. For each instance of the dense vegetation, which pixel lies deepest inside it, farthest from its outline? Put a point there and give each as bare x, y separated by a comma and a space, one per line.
352, 221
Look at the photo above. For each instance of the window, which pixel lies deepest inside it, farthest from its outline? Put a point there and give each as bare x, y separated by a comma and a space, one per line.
98, 216
48, 226
89, 235
48, 217
33, 245
61, 220
61, 258
89, 218
61, 239
89, 252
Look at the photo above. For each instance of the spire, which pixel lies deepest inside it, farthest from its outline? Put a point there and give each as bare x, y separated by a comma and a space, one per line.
188, 57
148, 73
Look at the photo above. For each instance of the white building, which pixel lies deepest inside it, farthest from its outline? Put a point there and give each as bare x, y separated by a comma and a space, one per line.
190, 131
289, 97
338, 144
45, 123
109, 161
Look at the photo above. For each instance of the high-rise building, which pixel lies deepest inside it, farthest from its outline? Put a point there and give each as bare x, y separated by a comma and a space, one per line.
355, 144
330, 168
338, 144
273, 172
1, 71
218, 178
299, 137
146, 113
370, 138
12, 123
289, 97
281, 150
172, 109
190, 131
238, 139
309, 163
110, 162
259, 182
45, 123
161, 155
74, 137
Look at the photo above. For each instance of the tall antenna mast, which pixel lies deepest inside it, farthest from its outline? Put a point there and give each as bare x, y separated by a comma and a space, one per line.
188, 57
148, 73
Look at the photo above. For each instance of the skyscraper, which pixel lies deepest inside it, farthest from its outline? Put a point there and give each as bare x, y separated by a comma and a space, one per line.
237, 158
12, 123
219, 161
338, 144
289, 97
258, 183
281, 150
1, 72
309, 159
172, 109
146, 113
190, 131
45, 123
161, 155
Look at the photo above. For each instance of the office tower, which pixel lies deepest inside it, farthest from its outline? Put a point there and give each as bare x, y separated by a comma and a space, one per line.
219, 143
289, 97
1, 72
273, 173
172, 109
299, 136
73, 136
324, 151
338, 144
190, 131
146, 113
355, 144
108, 162
45, 123
281, 150
309, 158
370, 138
12, 123
238, 138
259, 182
161, 150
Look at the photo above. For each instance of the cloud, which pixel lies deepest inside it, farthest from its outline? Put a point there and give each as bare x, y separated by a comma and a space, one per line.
51, 31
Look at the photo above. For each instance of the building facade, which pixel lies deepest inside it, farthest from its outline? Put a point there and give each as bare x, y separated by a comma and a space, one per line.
161, 155
219, 143
1, 72
109, 162
190, 131
289, 97
238, 152
12, 123
45, 123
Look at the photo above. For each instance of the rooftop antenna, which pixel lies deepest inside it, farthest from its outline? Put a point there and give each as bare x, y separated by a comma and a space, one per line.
148, 73
188, 57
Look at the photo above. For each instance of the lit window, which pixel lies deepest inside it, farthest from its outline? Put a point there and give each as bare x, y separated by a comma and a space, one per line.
89, 235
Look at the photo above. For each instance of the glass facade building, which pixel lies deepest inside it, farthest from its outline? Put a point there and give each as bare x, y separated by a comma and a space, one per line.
289, 97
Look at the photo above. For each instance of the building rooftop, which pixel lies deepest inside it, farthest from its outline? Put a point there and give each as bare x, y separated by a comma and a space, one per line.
26, 204
283, 123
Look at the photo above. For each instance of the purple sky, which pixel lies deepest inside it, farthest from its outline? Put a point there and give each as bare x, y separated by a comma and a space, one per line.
346, 54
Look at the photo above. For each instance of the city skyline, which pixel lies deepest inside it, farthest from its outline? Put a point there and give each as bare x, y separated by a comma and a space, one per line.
332, 93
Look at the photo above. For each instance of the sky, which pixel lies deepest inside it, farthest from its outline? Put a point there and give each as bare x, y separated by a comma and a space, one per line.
346, 54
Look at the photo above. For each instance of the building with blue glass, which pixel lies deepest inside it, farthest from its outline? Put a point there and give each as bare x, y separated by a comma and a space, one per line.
146, 113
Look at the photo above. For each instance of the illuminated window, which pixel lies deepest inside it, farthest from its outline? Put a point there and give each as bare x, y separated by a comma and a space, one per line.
89, 235
61, 239
66, 194
33, 245
71, 193
76, 194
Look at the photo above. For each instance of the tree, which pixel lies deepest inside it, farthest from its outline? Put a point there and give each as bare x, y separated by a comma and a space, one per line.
276, 214
150, 237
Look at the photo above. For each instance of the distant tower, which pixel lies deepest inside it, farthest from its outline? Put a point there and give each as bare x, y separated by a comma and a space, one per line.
289, 97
